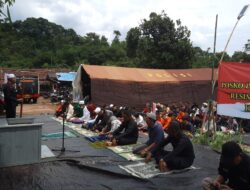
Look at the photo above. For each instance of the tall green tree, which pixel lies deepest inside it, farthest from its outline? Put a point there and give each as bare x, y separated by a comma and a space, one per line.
94, 49
160, 43
117, 50
132, 40
116, 39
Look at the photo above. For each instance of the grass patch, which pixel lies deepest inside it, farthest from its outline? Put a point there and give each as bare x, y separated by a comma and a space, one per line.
215, 141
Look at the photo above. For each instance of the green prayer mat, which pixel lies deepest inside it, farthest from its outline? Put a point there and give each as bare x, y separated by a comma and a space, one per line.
125, 151
98, 144
122, 149
67, 134
77, 128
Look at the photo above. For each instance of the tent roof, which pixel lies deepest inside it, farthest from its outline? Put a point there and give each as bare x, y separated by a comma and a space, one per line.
42, 73
147, 75
66, 76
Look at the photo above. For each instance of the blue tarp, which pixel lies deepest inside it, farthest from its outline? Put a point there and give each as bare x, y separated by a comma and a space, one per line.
66, 76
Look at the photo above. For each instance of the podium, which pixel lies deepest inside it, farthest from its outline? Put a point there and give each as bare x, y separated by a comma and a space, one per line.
20, 142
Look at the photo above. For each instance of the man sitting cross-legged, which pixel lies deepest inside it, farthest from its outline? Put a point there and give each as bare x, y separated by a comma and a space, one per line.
155, 134
182, 155
127, 133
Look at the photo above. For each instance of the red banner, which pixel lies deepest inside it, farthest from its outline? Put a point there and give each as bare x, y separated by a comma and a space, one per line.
234, 89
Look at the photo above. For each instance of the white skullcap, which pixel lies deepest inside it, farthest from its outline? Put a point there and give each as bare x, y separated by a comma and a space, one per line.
11, 76
111, 105
97, 110
81, 102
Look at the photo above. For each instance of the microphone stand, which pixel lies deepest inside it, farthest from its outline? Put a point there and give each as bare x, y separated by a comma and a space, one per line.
62, 150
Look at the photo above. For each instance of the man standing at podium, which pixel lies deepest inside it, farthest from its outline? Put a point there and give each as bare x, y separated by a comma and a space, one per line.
10, 92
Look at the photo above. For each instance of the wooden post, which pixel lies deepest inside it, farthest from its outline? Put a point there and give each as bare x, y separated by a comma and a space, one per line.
21, 106
21, 109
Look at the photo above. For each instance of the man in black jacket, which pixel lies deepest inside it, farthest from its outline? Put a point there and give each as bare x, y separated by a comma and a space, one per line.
10, 99
127, 133
234, 170
182, 155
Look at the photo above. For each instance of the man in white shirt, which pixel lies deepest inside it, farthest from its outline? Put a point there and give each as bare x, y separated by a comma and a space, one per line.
86, 114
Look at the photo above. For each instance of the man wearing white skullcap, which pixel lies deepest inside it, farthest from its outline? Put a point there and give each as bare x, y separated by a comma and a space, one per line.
11, 76
10, 92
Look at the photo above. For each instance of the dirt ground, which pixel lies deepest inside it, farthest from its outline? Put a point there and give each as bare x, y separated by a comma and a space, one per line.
42, 107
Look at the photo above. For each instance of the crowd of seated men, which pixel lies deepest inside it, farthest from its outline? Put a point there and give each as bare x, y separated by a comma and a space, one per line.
166, 124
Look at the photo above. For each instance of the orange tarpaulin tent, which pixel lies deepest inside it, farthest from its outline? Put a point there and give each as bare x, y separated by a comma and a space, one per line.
136, 86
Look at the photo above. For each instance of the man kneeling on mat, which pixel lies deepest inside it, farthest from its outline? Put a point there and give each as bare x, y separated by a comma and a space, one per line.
155, 136
127, 133
182, 155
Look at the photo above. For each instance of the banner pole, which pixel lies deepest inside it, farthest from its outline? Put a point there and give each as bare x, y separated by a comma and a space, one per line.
215, 37
210, 102
242, 12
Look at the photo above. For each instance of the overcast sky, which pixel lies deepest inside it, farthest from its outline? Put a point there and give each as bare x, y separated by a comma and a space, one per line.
105, 16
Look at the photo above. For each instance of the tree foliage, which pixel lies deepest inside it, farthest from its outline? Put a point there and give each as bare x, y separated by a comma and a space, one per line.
240, 56
160, 43
157, 42
38, 43
5, 17
35, 42
204, 59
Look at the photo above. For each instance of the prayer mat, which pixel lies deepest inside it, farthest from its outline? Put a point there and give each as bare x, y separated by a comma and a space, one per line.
82, 131
122, 149
46, 152
67, 134
126, 152
130, 156
149, 170
96, 138
78, 128
77, 121
87, 133
68, 124
98, 144
56, 119
74, 127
